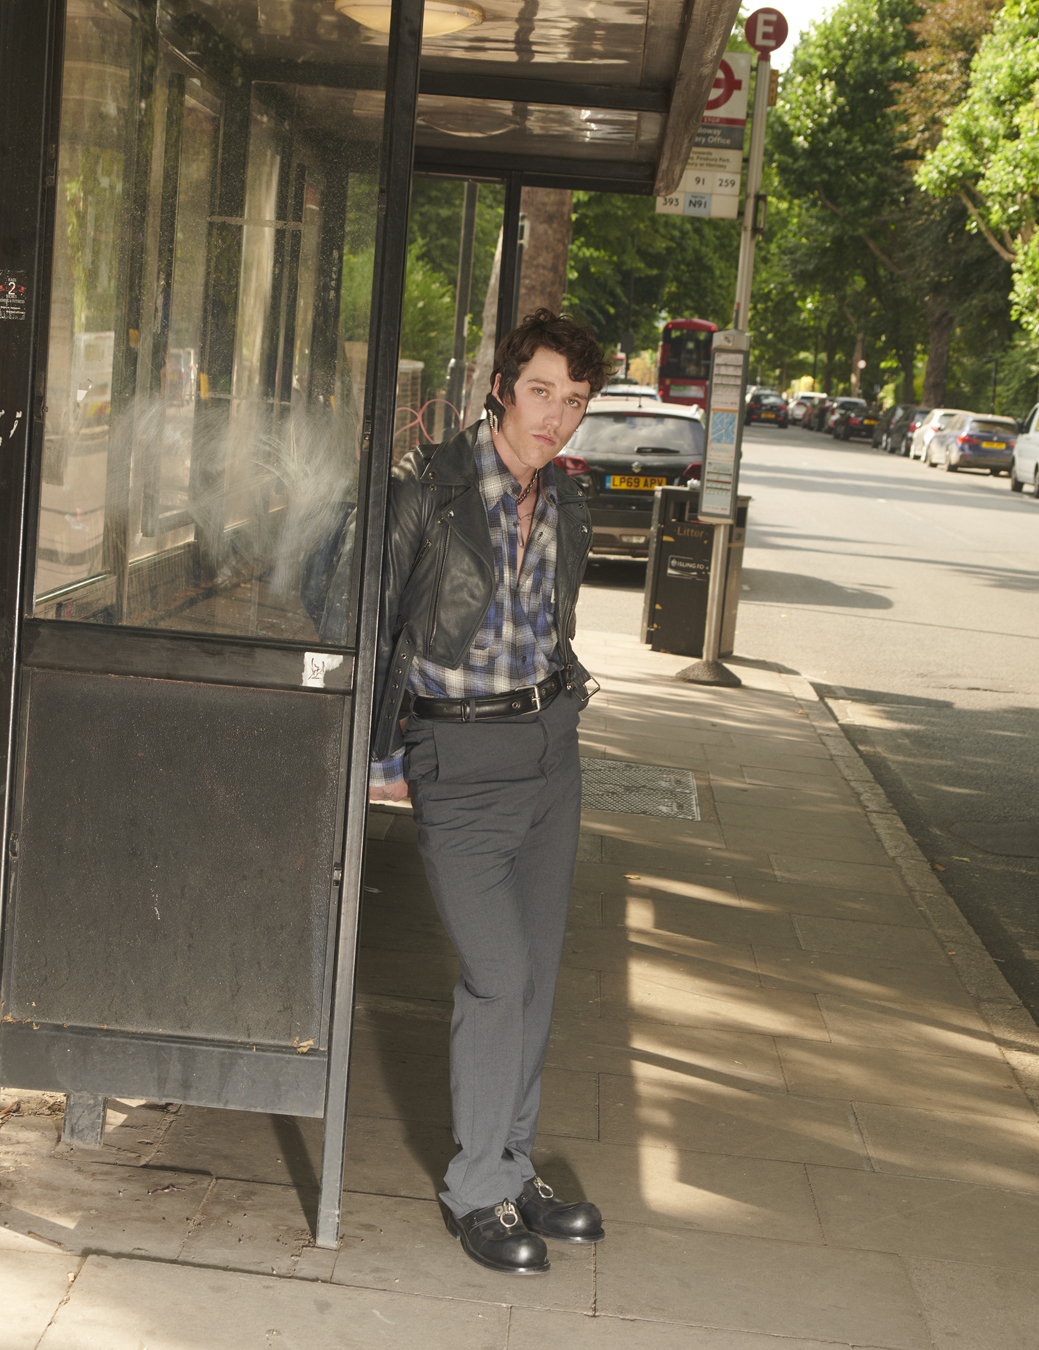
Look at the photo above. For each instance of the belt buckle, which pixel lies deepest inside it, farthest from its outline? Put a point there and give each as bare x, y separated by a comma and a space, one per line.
536, 692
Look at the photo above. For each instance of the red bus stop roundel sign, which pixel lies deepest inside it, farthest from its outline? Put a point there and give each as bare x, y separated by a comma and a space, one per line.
766, 30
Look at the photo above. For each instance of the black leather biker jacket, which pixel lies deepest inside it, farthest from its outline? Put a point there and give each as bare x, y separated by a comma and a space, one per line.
438, 578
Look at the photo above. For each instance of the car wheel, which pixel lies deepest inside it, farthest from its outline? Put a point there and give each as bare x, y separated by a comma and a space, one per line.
886, 445
948, 465
906, 449
995, 472
845, 433
1035, 482
1015, 483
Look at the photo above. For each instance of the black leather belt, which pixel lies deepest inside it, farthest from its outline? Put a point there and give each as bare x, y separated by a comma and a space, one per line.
532, 698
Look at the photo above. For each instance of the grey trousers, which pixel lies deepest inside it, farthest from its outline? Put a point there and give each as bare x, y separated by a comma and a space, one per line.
498, 808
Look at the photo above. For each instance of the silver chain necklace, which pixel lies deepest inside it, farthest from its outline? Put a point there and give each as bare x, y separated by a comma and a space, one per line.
519, 501
526, 491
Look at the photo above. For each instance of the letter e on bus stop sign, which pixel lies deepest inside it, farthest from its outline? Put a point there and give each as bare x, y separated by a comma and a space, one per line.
766, 30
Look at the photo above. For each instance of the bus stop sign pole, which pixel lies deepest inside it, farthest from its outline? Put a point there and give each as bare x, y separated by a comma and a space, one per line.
719, 484
765, 30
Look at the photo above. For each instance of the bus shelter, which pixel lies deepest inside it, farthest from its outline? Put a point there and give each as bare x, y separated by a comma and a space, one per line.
202, 255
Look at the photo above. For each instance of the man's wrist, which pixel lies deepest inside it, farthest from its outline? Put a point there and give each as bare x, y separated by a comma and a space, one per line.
386, 773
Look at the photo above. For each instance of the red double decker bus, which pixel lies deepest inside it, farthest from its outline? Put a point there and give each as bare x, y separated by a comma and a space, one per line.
684, 362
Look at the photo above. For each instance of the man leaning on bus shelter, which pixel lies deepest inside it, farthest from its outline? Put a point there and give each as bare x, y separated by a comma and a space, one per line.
487, 545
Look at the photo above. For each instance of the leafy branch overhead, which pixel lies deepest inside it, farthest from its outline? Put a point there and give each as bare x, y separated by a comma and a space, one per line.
988, 154
878, 265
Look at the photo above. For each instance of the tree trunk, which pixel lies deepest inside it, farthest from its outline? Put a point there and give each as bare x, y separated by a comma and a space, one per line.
831, 352
547, 249
856, 373
940, 323
907, 360
485, 356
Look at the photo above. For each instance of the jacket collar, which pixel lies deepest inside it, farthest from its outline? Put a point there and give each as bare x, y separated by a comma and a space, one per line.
453, 463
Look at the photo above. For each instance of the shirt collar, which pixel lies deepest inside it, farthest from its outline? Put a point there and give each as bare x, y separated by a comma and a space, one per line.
495, 479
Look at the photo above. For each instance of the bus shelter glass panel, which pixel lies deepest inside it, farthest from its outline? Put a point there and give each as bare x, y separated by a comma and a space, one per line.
450, 306
208, 341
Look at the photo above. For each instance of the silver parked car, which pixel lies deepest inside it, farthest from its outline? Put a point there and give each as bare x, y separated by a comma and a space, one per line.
1024, 466
937, 420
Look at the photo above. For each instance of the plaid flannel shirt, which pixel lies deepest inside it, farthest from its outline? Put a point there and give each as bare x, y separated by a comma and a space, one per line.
517, 644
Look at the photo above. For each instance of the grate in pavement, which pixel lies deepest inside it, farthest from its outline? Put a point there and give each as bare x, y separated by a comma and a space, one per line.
638, 789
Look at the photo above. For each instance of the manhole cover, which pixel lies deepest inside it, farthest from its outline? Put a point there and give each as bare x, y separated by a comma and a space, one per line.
1013, 839
638, 789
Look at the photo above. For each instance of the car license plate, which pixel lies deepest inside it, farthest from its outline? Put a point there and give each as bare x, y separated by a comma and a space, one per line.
992, 445
869, 421
772, 415
627, 482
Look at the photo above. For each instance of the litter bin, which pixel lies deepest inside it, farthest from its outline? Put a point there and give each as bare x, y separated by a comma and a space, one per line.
678, 575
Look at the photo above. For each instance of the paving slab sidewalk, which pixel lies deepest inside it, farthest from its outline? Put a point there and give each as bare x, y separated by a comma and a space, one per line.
784, 1066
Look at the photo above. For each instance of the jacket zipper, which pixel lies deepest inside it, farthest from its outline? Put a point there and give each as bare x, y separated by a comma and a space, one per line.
577, 557
436, 593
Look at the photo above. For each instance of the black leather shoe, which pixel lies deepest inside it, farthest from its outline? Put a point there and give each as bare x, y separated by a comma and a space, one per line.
551, 1218
496, 1237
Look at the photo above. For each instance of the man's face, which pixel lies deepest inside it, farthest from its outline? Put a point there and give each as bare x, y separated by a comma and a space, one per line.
548, 406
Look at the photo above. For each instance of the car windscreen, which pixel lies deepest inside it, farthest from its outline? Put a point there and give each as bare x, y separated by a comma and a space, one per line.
991, 427
625, 433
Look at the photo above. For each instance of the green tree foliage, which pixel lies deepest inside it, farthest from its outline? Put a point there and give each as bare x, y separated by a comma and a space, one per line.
948, 34
434, 234
988, 156
429, 319
883, 265
625, 259
840, 168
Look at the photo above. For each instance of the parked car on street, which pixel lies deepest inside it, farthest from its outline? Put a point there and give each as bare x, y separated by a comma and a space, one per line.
936, 420
816, 417
897, 437
767, 407
801, 405
1024, 464
624, 449
852, 418
892, 425
837, 407
974, 441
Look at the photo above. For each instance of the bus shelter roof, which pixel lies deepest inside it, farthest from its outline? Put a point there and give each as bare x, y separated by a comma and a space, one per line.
606, 96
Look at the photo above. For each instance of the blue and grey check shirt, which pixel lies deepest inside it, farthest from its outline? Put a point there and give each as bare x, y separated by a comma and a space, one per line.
517, 644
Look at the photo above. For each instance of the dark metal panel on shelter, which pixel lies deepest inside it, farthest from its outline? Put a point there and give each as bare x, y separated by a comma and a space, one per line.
174, 858
100, 1064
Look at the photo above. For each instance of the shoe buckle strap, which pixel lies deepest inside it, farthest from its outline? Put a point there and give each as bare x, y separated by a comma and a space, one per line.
543, 1189
506, 1211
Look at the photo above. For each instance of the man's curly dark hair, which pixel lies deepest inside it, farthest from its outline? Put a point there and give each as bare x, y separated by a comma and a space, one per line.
558, 332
